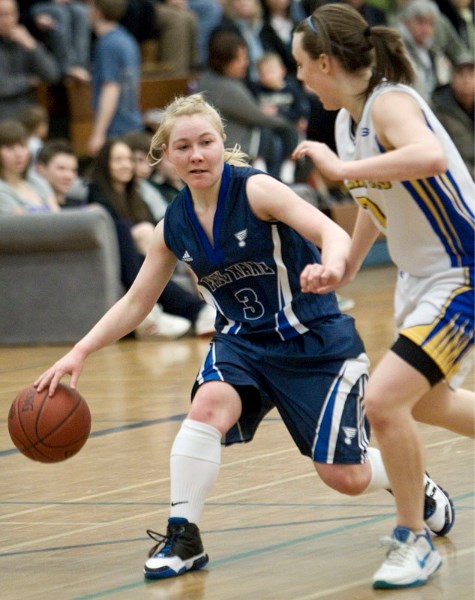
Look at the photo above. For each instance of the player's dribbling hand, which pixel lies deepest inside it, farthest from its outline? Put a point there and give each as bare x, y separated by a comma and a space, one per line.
71, 363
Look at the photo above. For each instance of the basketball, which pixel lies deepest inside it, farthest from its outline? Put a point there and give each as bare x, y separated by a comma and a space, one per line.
49, 428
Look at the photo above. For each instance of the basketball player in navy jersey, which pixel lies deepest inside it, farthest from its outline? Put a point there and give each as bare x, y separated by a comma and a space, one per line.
410, 183
253, 245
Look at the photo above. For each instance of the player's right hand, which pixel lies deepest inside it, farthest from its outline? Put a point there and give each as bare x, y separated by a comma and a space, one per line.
70, 364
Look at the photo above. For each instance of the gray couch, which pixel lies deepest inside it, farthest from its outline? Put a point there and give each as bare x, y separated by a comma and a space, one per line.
59, 273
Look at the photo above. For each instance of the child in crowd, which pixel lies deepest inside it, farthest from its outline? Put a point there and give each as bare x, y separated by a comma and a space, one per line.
280, 94
35, 119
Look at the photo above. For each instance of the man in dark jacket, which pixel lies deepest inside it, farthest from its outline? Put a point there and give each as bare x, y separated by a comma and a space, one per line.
24, 62
454, 106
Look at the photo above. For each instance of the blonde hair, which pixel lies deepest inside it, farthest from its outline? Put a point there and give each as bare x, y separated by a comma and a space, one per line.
186, 106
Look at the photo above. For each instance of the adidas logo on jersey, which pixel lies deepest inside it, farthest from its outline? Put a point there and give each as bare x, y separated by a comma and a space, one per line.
241, 237
186, 257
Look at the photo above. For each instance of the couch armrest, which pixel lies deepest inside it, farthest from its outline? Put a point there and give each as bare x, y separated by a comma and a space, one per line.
70, 229
59, 274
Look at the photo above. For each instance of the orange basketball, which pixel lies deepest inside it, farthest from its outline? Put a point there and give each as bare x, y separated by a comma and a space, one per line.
49, 428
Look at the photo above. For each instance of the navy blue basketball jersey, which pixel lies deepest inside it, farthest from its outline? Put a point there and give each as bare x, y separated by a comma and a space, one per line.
251, 271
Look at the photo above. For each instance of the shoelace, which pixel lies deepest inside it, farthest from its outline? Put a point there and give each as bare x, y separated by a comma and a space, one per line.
162, 540
397, 552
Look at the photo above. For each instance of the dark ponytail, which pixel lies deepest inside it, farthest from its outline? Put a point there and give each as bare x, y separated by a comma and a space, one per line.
391, 60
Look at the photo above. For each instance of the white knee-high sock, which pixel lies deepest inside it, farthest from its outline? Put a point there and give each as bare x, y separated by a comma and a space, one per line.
379, 479
194, 466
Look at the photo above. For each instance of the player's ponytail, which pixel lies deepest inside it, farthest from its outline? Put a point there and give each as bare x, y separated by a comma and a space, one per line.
391, 60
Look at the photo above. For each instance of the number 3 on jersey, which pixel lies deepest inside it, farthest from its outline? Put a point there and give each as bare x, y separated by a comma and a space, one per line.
252, 308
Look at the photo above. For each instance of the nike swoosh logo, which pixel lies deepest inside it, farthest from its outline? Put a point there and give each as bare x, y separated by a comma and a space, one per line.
182, 502
424, 560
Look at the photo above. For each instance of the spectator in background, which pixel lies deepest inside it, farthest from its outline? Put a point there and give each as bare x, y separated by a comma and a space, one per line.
281, 94
417, 22
209, 13
464, 23
139, 143
178, 37
453, 105
112, 183
140, 20
270, 138
35, 119
24, 62
371, 14
57, 163
116, 75
460, 15
65, 28
167, 31
280, 18
244, 18
165, 178
432, 43
21, 190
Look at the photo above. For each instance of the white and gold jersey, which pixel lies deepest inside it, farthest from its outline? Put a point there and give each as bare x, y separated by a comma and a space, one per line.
429, 222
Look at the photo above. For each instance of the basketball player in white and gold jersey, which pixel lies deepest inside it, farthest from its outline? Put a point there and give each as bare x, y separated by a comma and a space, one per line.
410, 182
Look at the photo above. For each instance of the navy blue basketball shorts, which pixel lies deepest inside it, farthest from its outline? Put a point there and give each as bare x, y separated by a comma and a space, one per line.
318, 394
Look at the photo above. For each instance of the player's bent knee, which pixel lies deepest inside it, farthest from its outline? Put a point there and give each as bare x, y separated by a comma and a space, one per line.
214, 408
346, 479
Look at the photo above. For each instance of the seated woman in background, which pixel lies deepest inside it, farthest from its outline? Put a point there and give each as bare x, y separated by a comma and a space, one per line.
270, 138
139, 142
112, 183
21, 190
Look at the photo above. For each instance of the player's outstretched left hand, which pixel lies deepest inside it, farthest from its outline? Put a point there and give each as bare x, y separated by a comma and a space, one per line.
320, 279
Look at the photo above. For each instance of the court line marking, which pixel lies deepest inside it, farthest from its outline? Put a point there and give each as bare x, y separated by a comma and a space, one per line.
162, 509
163, 480
216, 564
159, 510
135, 516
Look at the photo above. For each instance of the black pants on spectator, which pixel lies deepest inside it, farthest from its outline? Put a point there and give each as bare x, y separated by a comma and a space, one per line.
174, 298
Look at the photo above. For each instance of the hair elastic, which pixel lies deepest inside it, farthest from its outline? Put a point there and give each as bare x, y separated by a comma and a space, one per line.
309, 22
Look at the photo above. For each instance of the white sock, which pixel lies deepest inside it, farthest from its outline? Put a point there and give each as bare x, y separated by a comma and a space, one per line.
194, 466
379, 479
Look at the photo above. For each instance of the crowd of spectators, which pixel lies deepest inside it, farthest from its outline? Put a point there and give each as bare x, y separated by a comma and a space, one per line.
238, 54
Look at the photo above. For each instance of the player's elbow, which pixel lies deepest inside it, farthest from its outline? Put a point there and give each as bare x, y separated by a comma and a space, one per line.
440, 164
437, 161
